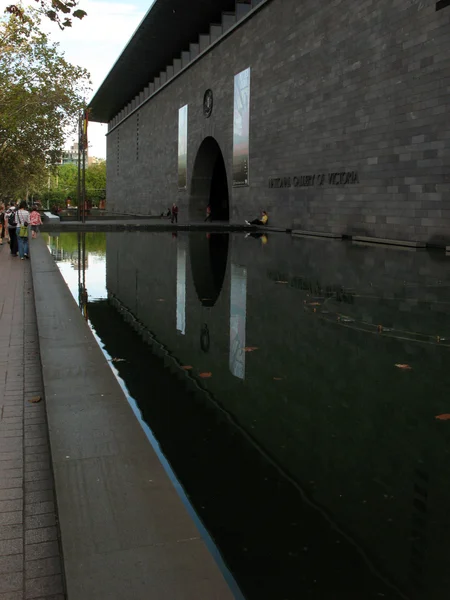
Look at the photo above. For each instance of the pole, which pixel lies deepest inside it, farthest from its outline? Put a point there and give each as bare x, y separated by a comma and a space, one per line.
83, 185
79, 168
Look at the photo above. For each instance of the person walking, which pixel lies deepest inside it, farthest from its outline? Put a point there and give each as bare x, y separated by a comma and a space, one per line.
2, 223
35, 221
174, 213
10, 221
208, 213
22, 222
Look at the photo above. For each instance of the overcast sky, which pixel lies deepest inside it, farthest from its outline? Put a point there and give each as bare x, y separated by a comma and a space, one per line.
96, 43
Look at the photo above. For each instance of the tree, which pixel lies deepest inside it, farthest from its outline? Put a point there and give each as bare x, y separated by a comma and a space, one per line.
96, 179
62, 183
40, 96
53, 9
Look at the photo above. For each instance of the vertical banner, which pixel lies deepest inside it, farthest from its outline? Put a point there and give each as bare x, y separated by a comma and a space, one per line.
182, 146
85, 128
238, 317
241, 128
181, 288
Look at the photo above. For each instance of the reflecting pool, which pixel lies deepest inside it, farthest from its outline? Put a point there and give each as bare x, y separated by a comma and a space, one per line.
293, 385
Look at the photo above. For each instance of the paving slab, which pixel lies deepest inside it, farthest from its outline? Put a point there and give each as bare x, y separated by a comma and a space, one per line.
125, 531
20, 374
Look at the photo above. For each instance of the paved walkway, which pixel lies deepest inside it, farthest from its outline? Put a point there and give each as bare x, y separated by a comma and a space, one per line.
30, 563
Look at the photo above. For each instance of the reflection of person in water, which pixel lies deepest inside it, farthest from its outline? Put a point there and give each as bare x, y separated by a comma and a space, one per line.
205, 341
258, 236
262, 221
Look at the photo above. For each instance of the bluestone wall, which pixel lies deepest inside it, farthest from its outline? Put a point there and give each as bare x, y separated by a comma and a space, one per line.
340, 87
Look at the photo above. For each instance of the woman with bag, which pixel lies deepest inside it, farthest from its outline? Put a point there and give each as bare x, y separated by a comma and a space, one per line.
22, 220
10, 222
2, 222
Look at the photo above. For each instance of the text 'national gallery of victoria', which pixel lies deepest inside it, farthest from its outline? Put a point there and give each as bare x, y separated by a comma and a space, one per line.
333, 117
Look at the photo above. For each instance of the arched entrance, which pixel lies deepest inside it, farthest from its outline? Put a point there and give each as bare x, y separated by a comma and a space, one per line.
209, 183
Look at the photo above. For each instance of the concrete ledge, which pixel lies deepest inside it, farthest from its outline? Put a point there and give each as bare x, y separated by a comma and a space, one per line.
48, 217
302, 233
281, 229
142, 225
373, 240
125, 531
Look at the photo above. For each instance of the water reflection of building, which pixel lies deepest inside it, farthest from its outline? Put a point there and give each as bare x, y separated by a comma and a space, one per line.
320, 391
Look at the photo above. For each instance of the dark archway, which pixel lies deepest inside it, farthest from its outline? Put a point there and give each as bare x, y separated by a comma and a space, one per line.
209, 184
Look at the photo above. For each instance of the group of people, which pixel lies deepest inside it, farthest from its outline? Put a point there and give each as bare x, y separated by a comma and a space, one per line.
15, 222
172, 213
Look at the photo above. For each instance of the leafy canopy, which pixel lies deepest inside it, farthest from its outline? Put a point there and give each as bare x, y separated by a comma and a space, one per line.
59, 11
40, 96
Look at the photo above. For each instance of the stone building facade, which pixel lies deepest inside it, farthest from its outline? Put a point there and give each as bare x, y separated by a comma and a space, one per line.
348, 128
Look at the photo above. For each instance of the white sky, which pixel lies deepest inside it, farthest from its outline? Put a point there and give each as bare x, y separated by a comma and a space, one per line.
95, 43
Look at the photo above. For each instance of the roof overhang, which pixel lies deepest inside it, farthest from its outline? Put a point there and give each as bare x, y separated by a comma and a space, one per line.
166, 30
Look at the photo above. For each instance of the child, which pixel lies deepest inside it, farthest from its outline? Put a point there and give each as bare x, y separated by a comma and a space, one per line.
35, 221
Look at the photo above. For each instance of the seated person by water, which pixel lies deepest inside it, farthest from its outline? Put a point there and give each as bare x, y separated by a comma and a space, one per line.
262, 221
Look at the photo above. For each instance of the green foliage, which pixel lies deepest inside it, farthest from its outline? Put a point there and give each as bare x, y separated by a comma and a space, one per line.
95, 242
63, 183
40, 97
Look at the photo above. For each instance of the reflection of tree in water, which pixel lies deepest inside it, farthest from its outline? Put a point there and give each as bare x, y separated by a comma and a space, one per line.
68, 243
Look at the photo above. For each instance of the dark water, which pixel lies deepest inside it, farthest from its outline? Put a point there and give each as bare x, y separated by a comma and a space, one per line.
305, 432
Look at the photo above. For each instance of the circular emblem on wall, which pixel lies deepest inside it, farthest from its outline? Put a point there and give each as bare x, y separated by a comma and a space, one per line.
208, 102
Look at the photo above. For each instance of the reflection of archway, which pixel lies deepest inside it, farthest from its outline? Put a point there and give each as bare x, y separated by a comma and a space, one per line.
209, 183
209, 257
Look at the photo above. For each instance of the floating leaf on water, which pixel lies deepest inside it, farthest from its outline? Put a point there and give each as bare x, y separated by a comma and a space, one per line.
205, 375
35, 399
160, 300
404, 367
206, 299
117, 360
250, 348
314, 304
444, 417
347, 320
187, 367
281, 281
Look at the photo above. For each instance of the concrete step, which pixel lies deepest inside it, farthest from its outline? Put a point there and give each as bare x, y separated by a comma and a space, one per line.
185, 58
243, 8
324, 234
176, 66
215, 32
204, 41
228, 20
374, 240
194, 50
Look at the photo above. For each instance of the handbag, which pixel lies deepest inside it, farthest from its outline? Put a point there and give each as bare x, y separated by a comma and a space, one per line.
23, 229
